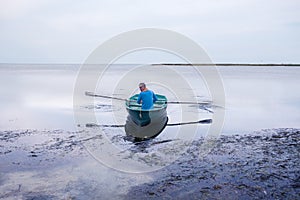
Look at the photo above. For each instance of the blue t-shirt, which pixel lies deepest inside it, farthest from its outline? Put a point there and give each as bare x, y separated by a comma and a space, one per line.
147, 98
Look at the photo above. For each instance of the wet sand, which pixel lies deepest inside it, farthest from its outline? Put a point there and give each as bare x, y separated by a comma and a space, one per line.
265, 165
262, 165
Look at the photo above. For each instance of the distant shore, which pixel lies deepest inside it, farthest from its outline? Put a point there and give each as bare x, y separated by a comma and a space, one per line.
159, 64
231, 64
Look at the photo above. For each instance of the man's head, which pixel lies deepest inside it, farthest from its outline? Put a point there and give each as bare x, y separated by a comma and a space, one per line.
142, 86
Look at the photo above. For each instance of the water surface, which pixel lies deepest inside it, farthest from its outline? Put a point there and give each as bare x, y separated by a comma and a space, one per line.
46, 154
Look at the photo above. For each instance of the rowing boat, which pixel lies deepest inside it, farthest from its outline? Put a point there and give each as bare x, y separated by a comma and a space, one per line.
144, 124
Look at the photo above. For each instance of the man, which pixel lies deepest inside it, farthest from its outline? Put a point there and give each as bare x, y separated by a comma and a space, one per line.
146, 97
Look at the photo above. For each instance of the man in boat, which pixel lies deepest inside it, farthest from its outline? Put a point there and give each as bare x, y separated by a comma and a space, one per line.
147, 98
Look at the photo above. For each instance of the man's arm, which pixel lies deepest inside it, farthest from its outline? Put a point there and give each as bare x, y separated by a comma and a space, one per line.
154, 98
139, 99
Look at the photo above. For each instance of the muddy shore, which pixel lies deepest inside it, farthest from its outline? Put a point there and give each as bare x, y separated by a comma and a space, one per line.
265, 165
261, 165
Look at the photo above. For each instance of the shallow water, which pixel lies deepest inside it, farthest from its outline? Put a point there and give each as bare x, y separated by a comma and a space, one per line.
41, 96
261, 97
47, 153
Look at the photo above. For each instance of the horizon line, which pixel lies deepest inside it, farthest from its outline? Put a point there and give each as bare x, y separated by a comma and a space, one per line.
169, 64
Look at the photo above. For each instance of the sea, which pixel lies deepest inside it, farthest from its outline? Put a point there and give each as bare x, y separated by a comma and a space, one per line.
40, 96
59, 143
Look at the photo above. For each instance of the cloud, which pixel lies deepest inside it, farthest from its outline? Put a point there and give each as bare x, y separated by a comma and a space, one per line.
49, 29
13, 9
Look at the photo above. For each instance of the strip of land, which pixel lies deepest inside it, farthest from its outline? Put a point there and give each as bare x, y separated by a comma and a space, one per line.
231, 64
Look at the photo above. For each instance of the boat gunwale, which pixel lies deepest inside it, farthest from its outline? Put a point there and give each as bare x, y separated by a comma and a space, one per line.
137, 106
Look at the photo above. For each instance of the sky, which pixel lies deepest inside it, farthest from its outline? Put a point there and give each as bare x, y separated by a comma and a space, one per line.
230, 31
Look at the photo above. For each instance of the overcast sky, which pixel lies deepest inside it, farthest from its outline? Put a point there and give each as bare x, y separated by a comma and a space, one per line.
66, 31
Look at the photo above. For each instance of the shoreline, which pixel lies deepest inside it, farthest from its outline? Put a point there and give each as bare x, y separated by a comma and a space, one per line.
232, 64
156, 64
264, 164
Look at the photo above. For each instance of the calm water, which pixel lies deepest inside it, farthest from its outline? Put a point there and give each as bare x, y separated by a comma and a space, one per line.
41, 97
48, 161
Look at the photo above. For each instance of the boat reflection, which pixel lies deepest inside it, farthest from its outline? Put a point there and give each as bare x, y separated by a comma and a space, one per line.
145, 124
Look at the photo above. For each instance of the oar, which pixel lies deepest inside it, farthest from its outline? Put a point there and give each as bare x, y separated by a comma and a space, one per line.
187, 102
104, 125
103, 96
116, 98
122, 99
203, 121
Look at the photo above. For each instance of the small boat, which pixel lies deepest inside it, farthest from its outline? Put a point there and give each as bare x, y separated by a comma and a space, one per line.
145, 124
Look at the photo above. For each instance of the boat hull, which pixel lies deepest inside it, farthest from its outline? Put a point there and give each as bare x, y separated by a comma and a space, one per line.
144, 124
